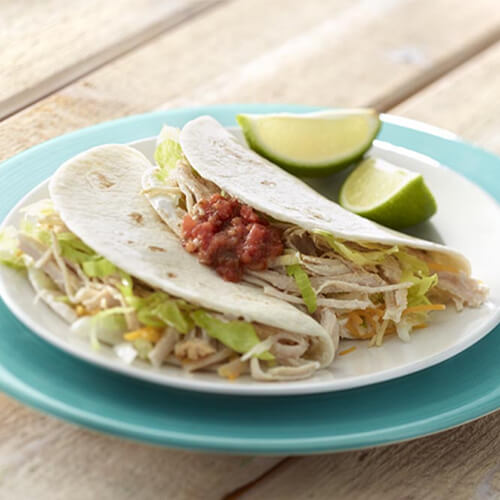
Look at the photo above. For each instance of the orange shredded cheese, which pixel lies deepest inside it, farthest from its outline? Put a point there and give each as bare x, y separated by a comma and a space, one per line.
148, 333
358, 317
435, 266
425, 308
419, 326
347, 351
81, 311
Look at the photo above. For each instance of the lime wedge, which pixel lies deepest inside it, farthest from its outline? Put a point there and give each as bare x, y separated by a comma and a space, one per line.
389, 195
312, 144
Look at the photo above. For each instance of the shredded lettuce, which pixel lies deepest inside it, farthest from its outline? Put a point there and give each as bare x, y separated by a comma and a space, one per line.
304, 285
75, 250
143, 347
359, 258
107, 326
10, 254
159, 310
168, 150
98, 268
416, 271
289, 258
237, 335
127, 284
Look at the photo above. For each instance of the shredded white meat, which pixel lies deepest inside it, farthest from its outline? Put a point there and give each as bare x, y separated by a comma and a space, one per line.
326, 285
328, 320
47, 291
164, 347
464, 290
36, 251
305, 370
193, 349
390, 269
287, 346
210, 361
233, 369
395, 304
192, 185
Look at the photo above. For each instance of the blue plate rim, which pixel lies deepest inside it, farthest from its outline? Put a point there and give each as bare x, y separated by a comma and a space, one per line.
437, 423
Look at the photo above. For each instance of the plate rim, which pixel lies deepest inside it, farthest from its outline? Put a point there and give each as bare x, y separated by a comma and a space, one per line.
265, 390
437, 422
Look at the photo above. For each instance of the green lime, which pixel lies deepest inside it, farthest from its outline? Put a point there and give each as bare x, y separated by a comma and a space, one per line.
312, 144
389, 195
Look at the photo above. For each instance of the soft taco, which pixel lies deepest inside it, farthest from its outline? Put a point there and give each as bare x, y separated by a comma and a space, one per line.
100, 257
254, 222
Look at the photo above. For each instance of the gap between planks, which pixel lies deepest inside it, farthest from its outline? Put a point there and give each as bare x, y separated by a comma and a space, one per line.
385, 104
72, 73
436, 71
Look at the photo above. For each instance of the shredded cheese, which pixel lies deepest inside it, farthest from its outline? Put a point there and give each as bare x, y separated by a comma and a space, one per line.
347, 351
147, 333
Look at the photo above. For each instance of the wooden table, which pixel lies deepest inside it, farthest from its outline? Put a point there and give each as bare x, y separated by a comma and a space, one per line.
69, 64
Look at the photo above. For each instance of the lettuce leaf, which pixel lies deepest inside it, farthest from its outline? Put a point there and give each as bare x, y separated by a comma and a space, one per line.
107, 326
10, 254
168, 150
416, 271
75, 250
359, 258
237, 335
304, 285
159, 310
143, 347
98, 268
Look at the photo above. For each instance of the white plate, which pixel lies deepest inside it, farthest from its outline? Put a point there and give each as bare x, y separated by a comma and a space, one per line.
467, 220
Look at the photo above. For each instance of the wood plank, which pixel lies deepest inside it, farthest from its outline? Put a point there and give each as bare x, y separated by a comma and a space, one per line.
332, 52
43, 458
465, 102
316, 57
46, 45
461, 464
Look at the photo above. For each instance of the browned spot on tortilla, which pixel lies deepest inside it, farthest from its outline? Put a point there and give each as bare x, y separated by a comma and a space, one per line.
137, 217
156, 249
103, 181
130, 242
172, 275
268, 183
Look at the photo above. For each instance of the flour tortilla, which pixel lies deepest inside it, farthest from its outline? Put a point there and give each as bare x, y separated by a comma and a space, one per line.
218, 157
98, 196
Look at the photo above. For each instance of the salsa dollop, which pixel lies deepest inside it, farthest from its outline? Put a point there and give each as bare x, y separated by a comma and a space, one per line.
229, 236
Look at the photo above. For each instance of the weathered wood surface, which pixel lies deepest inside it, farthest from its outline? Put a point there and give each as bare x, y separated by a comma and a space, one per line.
462, 464
340, 52
466, 101
46, 45
331, 53
43, 458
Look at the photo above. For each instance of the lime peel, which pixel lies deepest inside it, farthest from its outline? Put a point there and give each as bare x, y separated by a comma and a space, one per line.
312, 144
387, 194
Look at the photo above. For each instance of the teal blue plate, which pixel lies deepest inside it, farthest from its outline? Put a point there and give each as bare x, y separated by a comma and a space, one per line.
40, 375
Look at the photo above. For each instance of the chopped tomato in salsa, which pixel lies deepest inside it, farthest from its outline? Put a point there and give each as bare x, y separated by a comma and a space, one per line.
230, 237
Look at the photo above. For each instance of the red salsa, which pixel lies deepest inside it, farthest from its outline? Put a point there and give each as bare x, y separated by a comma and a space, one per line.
230, 237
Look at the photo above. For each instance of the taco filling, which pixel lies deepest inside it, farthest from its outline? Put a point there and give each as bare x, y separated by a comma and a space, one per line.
371, 289
122, 300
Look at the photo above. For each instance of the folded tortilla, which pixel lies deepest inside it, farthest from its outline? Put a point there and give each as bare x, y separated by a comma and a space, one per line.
98, 196
372, 278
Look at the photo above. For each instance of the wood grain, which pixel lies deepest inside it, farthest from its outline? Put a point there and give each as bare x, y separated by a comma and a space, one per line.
462, 463
43, 458
466, 101
45, 45
326, 52
331, 53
